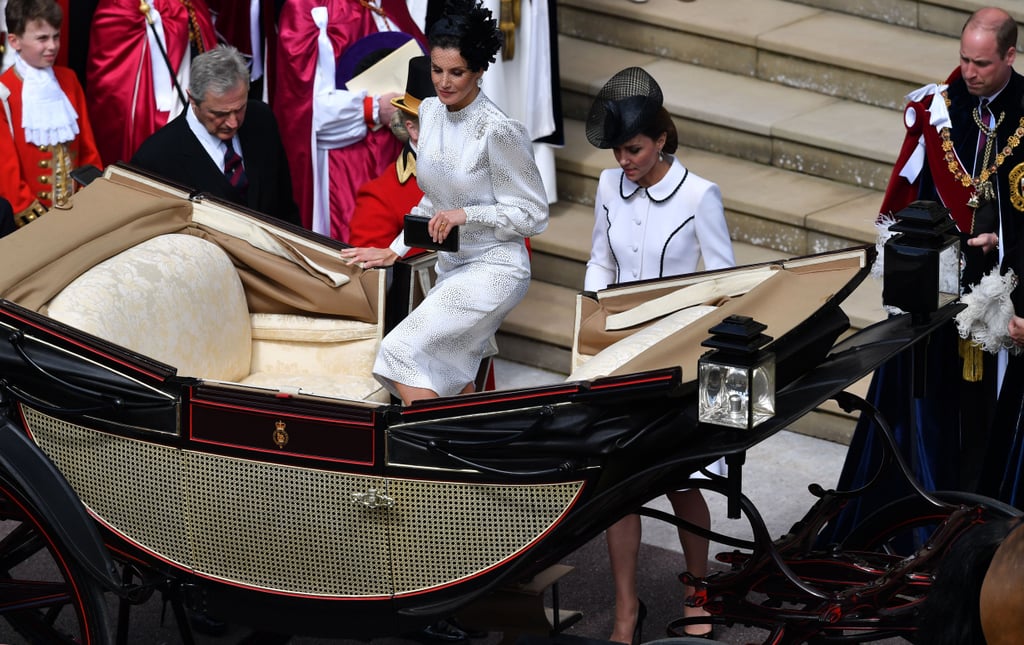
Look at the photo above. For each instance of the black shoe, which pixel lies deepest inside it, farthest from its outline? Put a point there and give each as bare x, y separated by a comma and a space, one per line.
442, 632
265, 638
206, 624
709, 635
638, 630
470, 633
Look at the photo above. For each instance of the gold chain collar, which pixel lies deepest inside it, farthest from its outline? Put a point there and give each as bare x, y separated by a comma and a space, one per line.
957, 169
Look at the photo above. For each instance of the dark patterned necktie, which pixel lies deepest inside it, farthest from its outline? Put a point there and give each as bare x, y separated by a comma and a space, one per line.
985, 118
233, 170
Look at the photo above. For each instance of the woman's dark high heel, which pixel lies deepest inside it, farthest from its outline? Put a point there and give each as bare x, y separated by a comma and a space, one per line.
638, 630
707, 635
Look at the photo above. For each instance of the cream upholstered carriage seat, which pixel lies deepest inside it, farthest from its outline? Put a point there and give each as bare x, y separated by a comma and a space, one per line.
327, 356
618, 353
178, 299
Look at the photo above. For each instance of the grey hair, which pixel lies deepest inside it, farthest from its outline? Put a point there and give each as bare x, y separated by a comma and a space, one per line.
219, 71
397, 125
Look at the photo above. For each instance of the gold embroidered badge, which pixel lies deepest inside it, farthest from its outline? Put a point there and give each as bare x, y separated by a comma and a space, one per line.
280, 435
1016, 178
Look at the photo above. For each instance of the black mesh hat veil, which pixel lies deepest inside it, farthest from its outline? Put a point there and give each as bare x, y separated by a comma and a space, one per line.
626, 104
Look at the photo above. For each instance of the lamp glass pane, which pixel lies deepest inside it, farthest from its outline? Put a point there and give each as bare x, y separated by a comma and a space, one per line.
949, 272
726, 392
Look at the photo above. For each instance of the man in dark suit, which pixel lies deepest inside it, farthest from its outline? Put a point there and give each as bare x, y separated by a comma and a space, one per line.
223, 144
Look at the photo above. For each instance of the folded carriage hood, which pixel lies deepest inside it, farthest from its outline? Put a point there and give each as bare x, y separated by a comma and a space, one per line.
301, 273
798, 300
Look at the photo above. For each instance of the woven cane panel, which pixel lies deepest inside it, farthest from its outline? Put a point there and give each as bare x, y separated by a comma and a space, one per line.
263, 525
131, 485
291, 529
284, 528
443, 532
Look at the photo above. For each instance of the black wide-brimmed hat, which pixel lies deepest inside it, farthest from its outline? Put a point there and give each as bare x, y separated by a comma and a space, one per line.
418, 86
626, 105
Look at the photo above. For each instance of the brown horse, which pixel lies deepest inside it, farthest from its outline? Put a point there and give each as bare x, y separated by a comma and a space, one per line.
1001, 604
952, 612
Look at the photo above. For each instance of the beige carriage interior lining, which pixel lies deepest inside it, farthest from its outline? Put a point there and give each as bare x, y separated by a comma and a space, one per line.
636, 328
178, 299
124, 208
222, 296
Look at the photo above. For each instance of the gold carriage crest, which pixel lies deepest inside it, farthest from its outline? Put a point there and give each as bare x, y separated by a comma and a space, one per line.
280, 435
1016, 178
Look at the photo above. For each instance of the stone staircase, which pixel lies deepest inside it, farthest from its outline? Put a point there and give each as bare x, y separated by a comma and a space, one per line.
791, 107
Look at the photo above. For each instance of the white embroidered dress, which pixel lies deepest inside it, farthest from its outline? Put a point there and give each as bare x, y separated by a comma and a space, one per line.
479, 160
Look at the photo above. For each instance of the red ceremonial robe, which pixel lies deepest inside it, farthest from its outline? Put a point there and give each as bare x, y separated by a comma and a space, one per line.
122, 103
900, 192
353, 165
62, 53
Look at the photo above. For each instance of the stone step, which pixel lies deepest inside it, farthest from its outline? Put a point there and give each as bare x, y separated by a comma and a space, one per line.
788, 211
539, 330
945, 17
832, 53
748, 118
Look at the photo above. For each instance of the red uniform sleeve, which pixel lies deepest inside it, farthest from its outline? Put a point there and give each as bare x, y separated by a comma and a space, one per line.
12, 182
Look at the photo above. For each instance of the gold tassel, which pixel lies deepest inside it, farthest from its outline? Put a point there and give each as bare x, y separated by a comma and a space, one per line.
508, 21
971, 352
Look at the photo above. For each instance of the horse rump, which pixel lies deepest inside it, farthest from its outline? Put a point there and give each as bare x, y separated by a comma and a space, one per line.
950, 614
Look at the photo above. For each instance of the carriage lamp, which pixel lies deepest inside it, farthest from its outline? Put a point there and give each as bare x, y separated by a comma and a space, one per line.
736, 379
921, 270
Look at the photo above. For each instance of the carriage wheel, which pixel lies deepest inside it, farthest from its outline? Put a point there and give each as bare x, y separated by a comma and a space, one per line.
684, 640
900, 527
44, 597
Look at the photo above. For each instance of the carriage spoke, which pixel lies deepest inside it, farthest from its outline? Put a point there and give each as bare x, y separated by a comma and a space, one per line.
18, 546
32, 594
41, 601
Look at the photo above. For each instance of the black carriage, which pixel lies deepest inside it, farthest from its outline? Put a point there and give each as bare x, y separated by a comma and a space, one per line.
189, 409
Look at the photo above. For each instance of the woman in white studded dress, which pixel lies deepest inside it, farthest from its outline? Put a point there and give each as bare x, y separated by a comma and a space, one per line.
653, 218
476, 168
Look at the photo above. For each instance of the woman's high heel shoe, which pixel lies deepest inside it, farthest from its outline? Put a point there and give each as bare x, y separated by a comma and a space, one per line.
638, 630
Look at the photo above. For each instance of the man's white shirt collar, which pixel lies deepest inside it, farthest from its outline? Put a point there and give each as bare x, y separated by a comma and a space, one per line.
213, 145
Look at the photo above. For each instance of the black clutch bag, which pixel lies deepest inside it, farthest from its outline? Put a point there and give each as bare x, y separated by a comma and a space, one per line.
417, 235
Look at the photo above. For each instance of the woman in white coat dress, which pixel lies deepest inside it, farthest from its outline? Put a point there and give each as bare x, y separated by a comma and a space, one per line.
653, 217
476, 168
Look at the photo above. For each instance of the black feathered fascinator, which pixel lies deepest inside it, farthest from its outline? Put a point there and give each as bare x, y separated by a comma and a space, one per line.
626, 105
471, 27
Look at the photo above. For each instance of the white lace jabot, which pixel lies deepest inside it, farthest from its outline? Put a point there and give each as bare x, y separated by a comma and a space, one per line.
47, 115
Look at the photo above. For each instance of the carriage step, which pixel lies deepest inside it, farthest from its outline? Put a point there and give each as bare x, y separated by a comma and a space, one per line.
519, 609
